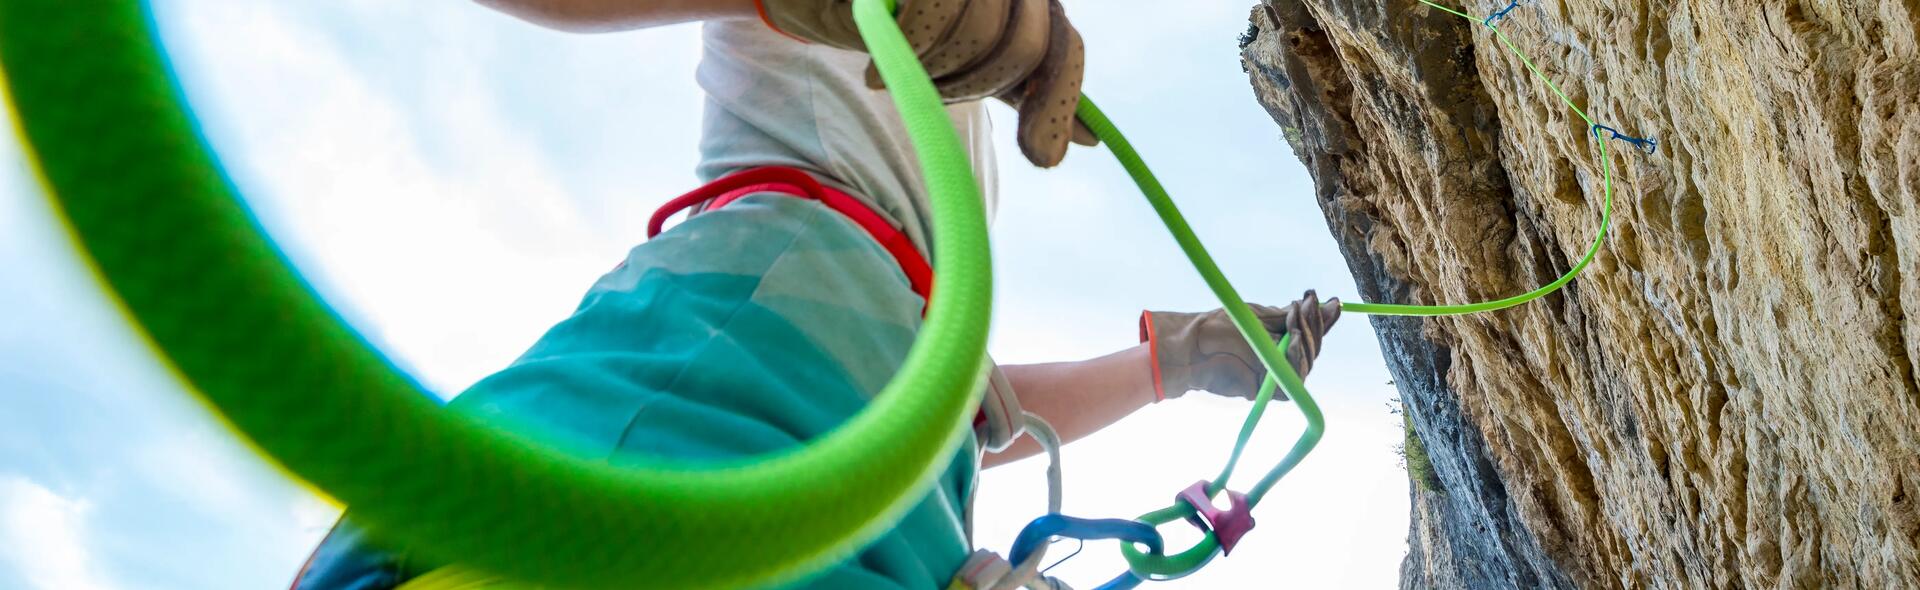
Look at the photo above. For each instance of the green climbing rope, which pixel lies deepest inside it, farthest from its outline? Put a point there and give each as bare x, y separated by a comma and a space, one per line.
121, 155
1606, 213
1154, 566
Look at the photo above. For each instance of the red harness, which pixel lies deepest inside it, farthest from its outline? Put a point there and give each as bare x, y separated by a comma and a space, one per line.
797, 183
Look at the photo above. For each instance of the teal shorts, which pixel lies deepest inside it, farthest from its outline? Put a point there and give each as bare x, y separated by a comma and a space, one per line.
740, 332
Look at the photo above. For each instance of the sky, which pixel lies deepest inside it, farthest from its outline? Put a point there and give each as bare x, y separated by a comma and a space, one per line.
452, 181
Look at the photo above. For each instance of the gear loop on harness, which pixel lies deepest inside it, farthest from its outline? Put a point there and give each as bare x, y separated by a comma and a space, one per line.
1001, 420
986, 570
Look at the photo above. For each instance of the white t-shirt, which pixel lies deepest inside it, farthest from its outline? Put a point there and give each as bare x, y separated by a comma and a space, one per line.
775, 101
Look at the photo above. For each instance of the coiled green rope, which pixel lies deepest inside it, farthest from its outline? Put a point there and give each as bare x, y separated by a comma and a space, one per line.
146, 200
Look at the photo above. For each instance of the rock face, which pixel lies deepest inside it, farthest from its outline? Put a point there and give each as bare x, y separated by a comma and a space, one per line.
1727, 397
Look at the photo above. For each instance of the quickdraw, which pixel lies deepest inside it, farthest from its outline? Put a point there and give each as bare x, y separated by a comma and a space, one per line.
1500, 14
1647, 144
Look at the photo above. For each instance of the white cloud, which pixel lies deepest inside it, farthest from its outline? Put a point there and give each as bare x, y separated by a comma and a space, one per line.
43, 537
452, 256
215, 477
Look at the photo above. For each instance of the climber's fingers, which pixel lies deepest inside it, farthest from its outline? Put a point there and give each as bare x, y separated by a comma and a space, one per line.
1005, 65
1308, 321
1051, 94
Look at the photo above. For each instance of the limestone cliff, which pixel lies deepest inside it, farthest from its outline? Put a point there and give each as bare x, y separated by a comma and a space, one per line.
1727, 398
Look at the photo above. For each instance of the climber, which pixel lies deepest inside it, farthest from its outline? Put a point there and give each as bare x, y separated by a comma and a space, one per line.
792, 293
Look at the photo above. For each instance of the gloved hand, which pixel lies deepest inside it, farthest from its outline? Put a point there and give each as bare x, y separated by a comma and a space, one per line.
1204, 350
1021, 51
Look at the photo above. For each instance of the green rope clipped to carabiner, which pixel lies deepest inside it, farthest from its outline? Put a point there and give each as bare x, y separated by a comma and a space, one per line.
1606, 213
1160, 567
1279, 371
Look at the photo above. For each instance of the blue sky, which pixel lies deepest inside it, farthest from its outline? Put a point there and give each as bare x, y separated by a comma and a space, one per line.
453, 180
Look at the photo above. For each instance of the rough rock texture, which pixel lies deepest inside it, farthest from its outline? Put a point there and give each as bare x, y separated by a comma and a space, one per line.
1727, 398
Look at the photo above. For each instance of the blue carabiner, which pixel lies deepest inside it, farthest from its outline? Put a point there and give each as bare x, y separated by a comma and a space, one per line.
1500, 14
1648, 144
1038, 532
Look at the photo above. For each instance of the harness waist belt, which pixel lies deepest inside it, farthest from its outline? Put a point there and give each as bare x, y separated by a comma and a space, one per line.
797, 183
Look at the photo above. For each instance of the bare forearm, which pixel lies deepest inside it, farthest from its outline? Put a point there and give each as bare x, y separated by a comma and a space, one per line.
600, 16
1079, 398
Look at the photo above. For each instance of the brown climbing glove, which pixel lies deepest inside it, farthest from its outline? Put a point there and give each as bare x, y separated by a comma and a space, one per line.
1021, 51
1204, 351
